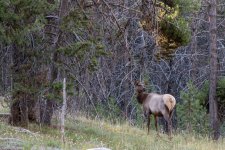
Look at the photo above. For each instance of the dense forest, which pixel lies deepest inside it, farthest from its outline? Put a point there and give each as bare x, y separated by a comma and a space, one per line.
101, 47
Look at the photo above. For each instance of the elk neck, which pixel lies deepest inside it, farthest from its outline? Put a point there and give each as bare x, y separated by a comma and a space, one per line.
141, 97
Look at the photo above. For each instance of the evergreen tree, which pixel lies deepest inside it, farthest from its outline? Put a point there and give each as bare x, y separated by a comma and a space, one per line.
37, 55
20, 20
191, 113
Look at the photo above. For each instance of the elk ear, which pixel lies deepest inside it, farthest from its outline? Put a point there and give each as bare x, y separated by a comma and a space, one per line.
136, 83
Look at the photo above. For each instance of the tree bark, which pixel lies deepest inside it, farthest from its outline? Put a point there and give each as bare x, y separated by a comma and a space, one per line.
213, 108
193, 47
53, 31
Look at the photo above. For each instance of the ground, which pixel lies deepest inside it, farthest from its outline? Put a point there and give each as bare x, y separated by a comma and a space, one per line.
83, 133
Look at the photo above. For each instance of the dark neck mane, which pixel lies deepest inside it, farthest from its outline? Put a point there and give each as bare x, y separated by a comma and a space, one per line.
141, 97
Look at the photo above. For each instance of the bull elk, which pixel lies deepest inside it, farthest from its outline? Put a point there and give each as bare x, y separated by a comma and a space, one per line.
156, 104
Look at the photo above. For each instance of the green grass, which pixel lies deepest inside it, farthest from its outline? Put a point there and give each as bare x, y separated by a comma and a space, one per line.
82, 133
3, 106
91, 133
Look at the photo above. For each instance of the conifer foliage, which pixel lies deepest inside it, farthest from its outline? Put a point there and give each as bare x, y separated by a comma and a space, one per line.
32, 30
21, 20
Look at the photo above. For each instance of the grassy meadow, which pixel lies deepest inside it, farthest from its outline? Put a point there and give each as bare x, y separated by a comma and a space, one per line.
82, 133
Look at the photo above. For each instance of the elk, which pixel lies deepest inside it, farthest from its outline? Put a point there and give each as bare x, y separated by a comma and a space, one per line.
156, 104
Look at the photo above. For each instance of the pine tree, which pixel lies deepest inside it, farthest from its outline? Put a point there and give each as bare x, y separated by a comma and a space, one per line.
192, 115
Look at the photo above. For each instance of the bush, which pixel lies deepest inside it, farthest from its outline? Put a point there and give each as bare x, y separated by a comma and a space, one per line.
191, 113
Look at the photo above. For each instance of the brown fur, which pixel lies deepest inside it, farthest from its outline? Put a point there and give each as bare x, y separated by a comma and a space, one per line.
156, 104
141, 97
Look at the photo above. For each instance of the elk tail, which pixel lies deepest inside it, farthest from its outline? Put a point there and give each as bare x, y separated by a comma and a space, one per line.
169, 101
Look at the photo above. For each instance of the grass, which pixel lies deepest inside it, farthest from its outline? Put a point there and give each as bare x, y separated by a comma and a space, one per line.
82, 133
94, 133
3, 106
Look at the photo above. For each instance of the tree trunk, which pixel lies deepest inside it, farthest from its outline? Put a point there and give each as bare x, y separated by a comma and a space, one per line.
193, 47
52, 29
213, 108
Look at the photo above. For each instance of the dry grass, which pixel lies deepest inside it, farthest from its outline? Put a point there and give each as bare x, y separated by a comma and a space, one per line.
123, 136
83, 133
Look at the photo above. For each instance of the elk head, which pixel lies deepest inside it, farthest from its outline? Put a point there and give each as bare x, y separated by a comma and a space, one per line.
139, 86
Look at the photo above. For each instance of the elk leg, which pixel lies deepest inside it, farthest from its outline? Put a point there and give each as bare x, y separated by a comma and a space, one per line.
170, 128
148, 122
169, 122
156, 124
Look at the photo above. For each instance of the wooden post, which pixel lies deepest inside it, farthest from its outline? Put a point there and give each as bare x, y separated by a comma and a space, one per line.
63, 111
